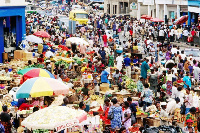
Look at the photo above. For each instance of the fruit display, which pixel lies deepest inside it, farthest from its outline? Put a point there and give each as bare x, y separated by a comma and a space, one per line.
7, 100
130, 84
62, 62
53, 117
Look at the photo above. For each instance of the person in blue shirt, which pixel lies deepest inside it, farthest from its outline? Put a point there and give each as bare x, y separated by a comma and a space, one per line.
103, 53
187, 80
104, 76
127, 63
132, 107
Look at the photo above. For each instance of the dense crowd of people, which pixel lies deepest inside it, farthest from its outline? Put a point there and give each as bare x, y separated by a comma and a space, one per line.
168, 77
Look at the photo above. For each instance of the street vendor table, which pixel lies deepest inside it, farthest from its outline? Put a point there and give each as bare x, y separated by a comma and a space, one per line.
125, 95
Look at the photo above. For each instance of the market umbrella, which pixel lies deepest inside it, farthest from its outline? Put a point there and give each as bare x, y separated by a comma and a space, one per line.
156, 20
42, 34
23, 71
41, 86
38, 72
35, 39
77, 40
182, 19
54, 118
96, 4
145, 17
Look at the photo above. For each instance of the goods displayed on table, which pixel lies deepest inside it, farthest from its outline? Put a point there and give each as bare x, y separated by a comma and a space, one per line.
54, 117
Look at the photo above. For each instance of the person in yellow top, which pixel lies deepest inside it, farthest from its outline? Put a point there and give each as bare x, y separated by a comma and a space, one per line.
84, 67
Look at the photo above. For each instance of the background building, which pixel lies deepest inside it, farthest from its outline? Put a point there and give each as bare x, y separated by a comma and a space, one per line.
12, 23
118, 7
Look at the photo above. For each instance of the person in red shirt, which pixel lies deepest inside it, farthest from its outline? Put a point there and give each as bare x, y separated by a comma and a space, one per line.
104, 37
131, 32
193, 32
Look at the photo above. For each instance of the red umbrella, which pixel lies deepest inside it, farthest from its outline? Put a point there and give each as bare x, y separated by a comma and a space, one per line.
156, 20
145, 17
182, 19
42, 34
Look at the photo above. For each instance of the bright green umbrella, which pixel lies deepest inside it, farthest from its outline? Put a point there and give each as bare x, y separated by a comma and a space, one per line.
23, 71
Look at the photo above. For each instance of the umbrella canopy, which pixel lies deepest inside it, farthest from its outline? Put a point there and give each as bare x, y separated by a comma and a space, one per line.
156, 20
145, 17
23, 71
41, 86
77, 40
38, 72
54, 117
35, 39
42, 34
182, 19
96, 4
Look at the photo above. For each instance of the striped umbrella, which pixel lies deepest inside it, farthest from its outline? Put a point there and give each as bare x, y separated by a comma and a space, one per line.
41, 86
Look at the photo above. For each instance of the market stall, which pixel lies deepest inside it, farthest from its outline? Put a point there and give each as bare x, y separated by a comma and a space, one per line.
54, 118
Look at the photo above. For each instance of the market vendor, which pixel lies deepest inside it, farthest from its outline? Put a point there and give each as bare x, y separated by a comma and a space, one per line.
6, 120
189, 128
163, 114
85, 90
192, 116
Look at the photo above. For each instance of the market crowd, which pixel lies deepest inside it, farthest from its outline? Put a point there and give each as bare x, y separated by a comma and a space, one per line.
143, 59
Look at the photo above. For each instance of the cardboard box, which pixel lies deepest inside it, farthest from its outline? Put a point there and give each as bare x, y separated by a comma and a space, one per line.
27, 55
18, 54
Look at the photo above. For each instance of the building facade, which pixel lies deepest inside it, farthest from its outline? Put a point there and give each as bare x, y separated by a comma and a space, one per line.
118, 7
12, 23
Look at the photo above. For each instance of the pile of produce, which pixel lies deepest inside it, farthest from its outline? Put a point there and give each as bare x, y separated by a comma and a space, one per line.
61, 63
53, 116
130, 84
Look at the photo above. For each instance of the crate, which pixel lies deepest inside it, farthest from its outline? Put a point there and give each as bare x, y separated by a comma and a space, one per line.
18, 54
104, 87
27, 55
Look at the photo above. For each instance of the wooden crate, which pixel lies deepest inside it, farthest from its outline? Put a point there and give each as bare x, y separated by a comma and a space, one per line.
18, 54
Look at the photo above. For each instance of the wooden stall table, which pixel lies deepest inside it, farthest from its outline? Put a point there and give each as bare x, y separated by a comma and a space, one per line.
124, 95
155, 122
139, 119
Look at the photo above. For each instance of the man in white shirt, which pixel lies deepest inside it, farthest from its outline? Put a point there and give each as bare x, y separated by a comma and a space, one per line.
185, 35
161, 35
182, 55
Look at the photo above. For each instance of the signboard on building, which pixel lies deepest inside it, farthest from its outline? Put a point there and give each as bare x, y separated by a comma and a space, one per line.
194, 3
148, 2
133, 6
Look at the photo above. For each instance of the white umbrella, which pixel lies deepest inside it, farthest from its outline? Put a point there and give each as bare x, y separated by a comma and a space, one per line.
35, 39
54, 117
96, 4
77, 40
